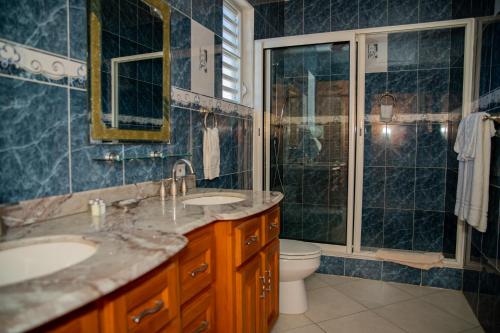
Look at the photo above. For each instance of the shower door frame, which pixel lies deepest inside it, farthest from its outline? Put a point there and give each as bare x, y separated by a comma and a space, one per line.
356, 39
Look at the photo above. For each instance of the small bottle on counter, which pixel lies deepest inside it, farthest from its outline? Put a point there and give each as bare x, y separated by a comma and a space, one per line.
102, 207
95, 209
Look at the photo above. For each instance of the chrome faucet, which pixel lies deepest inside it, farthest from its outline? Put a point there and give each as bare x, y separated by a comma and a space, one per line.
173, 186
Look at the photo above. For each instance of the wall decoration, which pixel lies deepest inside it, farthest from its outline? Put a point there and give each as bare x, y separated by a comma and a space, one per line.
376, 53
202, 59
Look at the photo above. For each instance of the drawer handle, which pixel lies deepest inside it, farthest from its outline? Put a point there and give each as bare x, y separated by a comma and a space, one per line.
273, 225
202, 327
252, 239
269, 280
203, 267
158, 306
263, 281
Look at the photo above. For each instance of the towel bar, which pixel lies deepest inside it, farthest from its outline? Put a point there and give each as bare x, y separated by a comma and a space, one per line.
494, 118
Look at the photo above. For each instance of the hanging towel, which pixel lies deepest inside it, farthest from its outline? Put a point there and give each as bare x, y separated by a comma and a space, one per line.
424, 261
473, 146
211, 153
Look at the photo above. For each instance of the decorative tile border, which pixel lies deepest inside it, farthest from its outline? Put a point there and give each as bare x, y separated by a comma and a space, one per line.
30, 63
448, 278
190, 100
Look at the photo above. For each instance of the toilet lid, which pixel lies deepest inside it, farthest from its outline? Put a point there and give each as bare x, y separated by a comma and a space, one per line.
290, 247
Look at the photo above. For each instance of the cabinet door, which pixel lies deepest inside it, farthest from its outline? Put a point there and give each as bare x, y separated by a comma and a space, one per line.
85, 322
270, 267
250, 295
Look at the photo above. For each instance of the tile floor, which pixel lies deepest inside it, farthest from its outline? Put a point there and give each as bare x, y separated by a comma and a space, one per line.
342, 304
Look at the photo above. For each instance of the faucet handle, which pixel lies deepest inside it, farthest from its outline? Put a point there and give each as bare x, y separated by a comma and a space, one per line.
183, 186
173, 187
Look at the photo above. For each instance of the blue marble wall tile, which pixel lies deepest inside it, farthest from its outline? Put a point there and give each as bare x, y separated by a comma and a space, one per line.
203, 12
430, 189
137, 171
372, 13
331, 265
41, 24
316, 16
375, 86
400, 188
401, 146
449, 235
31, 165
110, 52
337, 226
434, 49
456, 90
457, 47
340, 59
294, 13
367, 269
315, 223
435, 10
460, 9
428, 231
87, 174
180, 44
317, 59
315, 186
292, 181
398, 229
180, 124
402, 51
373, 183
344, 15
372, 230
402, 12
374, 147
259, 28
294, 64
403, 85
128, 20
182, 5
400, 273
292, 221
449, 278
111, 16
433, 91
127, 47
78, 29
432, 145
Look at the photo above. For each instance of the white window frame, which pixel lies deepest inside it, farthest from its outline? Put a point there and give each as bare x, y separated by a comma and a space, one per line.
228, 4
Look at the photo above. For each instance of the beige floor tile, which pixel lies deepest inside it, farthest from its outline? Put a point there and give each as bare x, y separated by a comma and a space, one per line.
363, 322
418, 316
307, 329
328, 303
335, 280
478, 329
314, 282
287, 322
416, 291
373, 294
453, 302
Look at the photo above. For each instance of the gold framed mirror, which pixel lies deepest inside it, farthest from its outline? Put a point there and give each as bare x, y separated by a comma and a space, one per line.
130, 70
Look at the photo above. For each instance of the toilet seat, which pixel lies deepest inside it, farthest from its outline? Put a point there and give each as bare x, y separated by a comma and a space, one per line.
297, 250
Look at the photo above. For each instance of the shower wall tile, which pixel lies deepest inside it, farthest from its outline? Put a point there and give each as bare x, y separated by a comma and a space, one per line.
430, 189
434, 49
393, 272
432, 144
315, 223
367, 269
435, 10
449, 278
292, 221
344, 15
397, 7
332, 265
372, 231
401, 146
337, 226
373, 182
400, 188
433, 91
402, 52
372, 13
374, 147
316, 16
317, 60
180, 45
294, 18
403, 85
293, 183
457, 47
315, 185
398, 229
428, 235
203, 12
375, 86
78, 29
181, 5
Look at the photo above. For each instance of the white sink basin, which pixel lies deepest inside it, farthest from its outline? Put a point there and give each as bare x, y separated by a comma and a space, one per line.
24, 260
213, 199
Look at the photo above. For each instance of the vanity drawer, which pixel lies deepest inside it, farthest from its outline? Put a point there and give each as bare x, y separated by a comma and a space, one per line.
199, 314
147, 305
247, 240
270, 226
197, 263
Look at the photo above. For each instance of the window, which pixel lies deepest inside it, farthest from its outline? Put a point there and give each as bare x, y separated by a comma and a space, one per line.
231, 53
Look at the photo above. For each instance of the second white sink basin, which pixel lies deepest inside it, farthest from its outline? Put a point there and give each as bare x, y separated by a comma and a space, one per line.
22, 260
216, 199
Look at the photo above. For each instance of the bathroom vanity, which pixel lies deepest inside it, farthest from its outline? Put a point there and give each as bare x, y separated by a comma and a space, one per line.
159, 267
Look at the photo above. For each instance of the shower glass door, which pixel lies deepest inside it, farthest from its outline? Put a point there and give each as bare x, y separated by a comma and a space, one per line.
307, 139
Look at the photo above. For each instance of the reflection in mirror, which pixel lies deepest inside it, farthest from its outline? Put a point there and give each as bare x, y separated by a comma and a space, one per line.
130, 75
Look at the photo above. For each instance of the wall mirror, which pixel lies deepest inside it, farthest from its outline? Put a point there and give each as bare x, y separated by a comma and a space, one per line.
130, 70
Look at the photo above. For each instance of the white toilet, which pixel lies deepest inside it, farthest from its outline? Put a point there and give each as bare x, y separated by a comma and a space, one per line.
298, 260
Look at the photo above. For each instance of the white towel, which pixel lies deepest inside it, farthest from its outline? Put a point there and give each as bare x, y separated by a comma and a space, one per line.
473, 145
211, 153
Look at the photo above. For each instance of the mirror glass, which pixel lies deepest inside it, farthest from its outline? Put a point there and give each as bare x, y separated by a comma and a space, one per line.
130, 86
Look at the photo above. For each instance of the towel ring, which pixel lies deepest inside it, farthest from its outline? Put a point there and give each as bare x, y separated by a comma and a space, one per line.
385, 95
206, 117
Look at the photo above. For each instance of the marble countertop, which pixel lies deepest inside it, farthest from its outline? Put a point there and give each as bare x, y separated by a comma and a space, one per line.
131, 241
